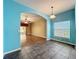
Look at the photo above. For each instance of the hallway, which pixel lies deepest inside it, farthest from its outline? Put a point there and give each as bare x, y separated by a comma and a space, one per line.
39, 48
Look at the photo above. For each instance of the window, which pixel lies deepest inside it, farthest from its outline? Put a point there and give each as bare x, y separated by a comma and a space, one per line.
62, 29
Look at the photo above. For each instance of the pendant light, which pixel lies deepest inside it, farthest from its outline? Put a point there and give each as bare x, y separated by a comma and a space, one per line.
52, 16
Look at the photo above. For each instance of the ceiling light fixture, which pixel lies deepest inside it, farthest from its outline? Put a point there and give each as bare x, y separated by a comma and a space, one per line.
52, 16
26, 20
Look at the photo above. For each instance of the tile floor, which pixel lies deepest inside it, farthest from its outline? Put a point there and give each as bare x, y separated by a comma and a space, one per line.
48, 50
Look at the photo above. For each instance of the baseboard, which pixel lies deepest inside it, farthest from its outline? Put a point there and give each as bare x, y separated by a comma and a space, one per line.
63, 42
11, 51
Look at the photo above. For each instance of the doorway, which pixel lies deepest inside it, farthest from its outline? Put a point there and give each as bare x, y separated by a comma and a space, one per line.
32, 28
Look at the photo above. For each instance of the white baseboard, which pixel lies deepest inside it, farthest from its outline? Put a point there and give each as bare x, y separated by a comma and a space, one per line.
63, 41
12, 51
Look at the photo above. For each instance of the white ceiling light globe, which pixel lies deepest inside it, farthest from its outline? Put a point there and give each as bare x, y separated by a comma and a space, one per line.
52, 16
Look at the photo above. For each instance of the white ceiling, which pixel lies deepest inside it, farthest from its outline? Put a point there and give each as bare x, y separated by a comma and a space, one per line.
32, 17
44, 5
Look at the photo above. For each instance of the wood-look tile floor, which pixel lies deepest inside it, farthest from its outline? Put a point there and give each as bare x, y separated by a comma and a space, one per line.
31, 40
39, 48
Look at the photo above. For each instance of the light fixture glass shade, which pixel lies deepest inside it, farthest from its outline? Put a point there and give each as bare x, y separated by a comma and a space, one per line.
26, 22
52, 16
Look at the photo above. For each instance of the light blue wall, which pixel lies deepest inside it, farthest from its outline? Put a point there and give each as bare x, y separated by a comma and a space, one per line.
70, 16
12, 11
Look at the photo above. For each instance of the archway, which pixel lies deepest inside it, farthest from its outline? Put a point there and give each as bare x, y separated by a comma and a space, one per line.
32, 26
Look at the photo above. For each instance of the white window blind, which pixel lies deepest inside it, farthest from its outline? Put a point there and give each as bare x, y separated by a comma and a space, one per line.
62, 29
